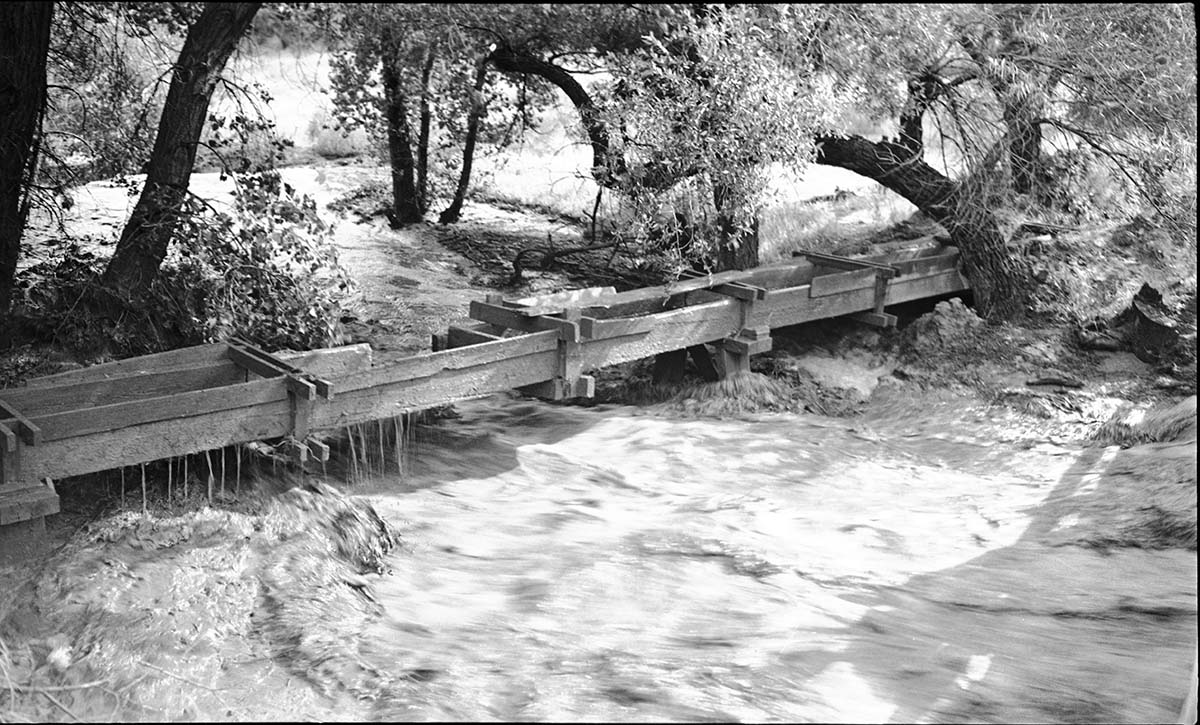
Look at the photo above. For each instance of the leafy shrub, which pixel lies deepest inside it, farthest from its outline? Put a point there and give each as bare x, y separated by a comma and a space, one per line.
266, 271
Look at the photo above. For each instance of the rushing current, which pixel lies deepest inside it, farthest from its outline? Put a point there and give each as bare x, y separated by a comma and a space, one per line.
611, 564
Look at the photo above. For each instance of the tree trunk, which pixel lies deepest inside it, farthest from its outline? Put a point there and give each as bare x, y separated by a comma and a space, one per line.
24, 43
143, 244
452, 212
735, 250
423, 132
406, 206
1024, 144
1000, 281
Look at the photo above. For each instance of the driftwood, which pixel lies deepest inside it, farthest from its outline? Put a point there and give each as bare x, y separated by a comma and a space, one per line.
548, 257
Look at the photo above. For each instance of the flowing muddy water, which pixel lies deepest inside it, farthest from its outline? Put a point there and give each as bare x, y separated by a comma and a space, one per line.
606, 564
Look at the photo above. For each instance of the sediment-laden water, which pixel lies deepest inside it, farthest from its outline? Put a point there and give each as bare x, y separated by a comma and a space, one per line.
607, 564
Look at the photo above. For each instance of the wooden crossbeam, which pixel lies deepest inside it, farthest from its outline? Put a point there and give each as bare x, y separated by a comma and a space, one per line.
848, 263
30, 433
515, 320
261, 362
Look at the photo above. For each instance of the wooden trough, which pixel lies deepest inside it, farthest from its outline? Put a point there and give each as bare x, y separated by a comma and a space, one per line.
203, 398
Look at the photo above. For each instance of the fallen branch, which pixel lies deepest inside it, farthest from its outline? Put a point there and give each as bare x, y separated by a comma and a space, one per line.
181, 678
549, 256
57, 688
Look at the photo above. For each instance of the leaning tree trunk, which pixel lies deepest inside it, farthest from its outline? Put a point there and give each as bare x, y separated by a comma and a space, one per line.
1000, 281
452, 212
143, 244
406, 204
24, 43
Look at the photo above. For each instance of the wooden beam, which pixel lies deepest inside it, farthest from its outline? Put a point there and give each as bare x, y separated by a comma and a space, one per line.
513, 320
29, 431
188, 357
848, 263
27, 502
387, 392
425, 366
152, 441
263, 363
839, 282
74, 423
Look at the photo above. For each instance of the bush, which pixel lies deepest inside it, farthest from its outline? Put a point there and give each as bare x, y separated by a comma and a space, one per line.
265, 271
268, 272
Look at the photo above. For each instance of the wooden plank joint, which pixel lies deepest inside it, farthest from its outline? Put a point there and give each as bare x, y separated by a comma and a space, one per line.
30, 433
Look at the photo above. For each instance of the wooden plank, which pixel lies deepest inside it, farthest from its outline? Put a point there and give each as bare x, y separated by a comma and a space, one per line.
424, 366
514, 320
24, 503
188, 357
378, 394
667, 331
153, 441
794, 306
594, 329
330, 362
300, 382
848, 263
42, 400
839, 282
296, 383
73, 423
92, 393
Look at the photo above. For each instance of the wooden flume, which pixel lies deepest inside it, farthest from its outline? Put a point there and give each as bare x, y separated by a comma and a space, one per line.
197, 399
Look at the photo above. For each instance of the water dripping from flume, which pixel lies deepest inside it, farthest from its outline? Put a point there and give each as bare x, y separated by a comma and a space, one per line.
222, 471
362, 440
398, 430
168, 481
143, 488
122, 487
353, 455
382, 455
185, 477
208, 458
238, 475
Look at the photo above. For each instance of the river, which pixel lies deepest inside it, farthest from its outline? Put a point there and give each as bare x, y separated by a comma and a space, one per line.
616, 564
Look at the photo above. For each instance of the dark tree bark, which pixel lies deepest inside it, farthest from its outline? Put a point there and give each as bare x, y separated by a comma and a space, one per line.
606, 167
426, 120
406, 203
24, 42
452, 212
735, 250
143, 244
1000, 281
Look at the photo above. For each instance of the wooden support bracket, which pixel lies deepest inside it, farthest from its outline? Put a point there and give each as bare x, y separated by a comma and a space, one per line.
261, 362
8, 439
302, 387
569, 380
30, 433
